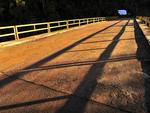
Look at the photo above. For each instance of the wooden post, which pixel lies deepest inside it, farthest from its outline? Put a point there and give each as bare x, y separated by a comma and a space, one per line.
93, 20
16, 33
74, 22
59, 24
79, 22
34, 27
67, 24
48, 28
87, 21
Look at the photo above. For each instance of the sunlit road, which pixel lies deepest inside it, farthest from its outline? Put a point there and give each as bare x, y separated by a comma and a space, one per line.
95, 69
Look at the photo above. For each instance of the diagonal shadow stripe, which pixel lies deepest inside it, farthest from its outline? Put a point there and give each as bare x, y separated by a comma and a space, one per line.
88, 84
85, 50
109, 40
14, 77
123, 58
34, 102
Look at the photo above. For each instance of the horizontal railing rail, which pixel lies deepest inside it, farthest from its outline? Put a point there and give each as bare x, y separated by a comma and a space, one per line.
18, 30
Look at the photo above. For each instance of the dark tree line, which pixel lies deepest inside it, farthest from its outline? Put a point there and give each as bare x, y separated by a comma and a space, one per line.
28, 11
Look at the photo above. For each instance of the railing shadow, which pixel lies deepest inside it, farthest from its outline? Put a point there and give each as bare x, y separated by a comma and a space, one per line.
143, 55
34, 102
88, 84
95, 49
108, 41
83, 63
15, 76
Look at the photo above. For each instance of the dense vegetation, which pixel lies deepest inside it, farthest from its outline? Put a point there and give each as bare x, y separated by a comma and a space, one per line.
28, 11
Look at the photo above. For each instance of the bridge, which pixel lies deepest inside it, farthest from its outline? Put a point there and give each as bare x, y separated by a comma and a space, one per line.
99, 66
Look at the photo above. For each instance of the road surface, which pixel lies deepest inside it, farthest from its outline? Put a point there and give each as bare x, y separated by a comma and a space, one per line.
95, 69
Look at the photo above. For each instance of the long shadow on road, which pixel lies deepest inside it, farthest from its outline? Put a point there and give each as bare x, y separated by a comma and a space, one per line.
143, 55
88, 84
15, 76
83, 63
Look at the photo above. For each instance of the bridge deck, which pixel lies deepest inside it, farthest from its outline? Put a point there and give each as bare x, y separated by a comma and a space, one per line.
89, 70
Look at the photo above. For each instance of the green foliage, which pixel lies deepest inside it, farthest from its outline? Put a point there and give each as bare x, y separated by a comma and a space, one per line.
20, 3
26, 11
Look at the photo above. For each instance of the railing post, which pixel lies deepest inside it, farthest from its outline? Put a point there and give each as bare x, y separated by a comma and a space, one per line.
87, 21
67, 24
16, 33
100, 19
34, 27
93, 20
58, 23
79, 22
74, 21
48, 28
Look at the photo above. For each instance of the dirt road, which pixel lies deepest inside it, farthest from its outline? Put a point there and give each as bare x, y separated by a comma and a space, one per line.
94, 69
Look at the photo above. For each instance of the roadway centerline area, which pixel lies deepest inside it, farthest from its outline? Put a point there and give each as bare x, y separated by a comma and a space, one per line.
94, 69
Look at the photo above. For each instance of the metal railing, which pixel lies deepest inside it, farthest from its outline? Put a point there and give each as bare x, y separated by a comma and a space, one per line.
17, 30
145, 20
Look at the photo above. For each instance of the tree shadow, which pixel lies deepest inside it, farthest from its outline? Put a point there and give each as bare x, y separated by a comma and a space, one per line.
15, 76
89, 82
143, 55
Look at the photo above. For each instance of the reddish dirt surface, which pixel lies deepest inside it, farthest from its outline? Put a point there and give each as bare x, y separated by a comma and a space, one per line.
89, 70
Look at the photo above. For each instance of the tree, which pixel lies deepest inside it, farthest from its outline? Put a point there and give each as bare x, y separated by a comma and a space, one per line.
28, 11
